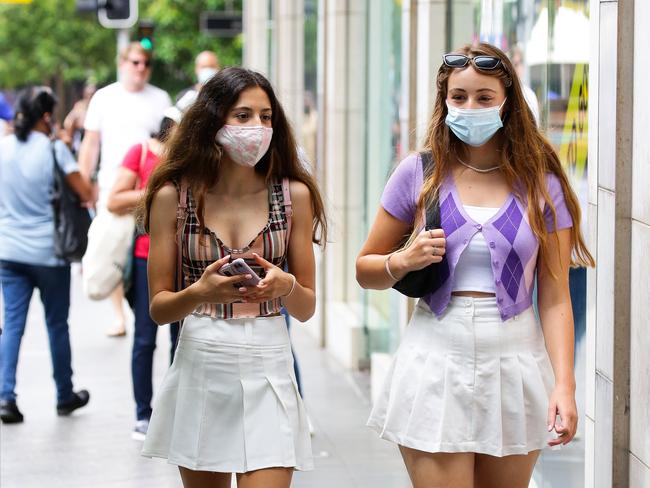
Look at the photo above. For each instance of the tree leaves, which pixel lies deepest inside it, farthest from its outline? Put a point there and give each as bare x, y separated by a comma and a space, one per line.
48, 39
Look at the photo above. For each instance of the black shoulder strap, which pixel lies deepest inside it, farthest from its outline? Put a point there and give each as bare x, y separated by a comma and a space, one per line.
427, 162
433, 212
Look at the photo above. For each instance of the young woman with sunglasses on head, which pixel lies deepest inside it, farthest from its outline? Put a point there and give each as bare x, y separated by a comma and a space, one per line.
231, 184
477, 382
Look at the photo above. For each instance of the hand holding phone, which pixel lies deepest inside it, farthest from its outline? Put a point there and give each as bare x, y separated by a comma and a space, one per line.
239, 267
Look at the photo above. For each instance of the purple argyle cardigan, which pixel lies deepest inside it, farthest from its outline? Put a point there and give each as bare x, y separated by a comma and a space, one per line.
512, 243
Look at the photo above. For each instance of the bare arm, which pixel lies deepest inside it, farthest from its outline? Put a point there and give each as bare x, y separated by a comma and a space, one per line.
301, 304
385, 236
556, 314
124, 197
299, 300
89, 153
80, 185
166, 304
70, 122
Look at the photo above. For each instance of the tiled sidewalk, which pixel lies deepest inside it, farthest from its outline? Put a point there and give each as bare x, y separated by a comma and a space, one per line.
93, 447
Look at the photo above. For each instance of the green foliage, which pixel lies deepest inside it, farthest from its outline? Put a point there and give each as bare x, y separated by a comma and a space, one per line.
48, 38
177, 39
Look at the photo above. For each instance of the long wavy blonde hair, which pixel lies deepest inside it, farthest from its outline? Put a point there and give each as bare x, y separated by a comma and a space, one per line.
526, 156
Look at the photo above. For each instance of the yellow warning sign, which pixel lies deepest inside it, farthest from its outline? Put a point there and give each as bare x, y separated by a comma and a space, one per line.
573, 150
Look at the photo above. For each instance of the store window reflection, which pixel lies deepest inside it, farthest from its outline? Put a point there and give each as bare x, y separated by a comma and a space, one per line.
548, 41
381, 308
308, 130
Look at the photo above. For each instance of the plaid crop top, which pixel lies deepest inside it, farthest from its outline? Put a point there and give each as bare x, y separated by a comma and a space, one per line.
202, 248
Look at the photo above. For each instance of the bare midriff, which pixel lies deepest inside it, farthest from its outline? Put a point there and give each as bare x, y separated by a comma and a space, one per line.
473, 294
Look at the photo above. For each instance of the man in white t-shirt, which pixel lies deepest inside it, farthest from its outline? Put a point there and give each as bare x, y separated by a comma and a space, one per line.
119, 116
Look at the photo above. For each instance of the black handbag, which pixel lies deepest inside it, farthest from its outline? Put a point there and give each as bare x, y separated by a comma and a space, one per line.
71, 220
417, 284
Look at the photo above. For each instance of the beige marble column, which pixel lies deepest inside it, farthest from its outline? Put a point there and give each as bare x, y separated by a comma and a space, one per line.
256, 41
431, 44
343, 145
639, 447
288, 57
618, 339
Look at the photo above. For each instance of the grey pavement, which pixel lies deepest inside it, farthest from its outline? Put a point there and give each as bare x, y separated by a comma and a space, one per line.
93, 447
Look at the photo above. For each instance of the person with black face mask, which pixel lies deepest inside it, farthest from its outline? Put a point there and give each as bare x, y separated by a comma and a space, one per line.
27, 257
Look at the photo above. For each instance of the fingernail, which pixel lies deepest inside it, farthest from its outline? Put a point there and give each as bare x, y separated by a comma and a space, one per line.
248, 277
550, 427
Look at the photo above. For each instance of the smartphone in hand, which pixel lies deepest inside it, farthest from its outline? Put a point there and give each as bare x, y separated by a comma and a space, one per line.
239, 267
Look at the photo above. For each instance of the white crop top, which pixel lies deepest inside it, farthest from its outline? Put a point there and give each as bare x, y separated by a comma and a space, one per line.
474, 271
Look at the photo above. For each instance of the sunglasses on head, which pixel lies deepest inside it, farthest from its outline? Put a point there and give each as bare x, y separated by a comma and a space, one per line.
479, 62
137, 62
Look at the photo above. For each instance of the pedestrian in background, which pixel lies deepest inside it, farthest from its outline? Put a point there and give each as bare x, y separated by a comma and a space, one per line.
27, 258
73, 124
120, 115
206, 65
132, 178
475, 387
229, 403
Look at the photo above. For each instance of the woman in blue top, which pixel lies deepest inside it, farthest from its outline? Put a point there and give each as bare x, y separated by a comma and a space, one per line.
27, 258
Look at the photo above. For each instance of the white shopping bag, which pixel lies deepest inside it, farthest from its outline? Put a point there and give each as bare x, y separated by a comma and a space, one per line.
109, 241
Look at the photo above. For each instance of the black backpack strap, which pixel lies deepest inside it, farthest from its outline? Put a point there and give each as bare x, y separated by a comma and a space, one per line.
427, 162
433, 212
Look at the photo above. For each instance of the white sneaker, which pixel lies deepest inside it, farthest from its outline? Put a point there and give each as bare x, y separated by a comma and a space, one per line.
140, 430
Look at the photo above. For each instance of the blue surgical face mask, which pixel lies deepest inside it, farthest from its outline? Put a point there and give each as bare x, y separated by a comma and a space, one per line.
474, 126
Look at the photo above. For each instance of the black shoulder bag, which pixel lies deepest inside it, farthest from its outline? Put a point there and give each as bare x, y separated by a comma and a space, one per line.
417, 284
71, 220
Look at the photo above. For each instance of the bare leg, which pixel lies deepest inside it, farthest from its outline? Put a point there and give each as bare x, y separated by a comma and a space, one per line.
497, 472
439, 470
117, 300
266, 478
204, 479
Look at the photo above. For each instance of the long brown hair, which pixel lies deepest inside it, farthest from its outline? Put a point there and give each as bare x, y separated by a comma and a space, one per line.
192, 154
526, 156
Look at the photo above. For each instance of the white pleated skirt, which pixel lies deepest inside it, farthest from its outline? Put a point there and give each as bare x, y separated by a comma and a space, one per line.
229, 402
468, 382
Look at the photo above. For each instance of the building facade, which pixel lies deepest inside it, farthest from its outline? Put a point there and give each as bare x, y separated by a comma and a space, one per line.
357, 78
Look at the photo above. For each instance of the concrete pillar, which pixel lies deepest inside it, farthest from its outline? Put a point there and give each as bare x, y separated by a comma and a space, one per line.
639, 459
256, 40
618, 384
288, 57
431, 44
343, 146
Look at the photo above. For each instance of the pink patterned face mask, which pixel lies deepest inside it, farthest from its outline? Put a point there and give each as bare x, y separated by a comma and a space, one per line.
245, 144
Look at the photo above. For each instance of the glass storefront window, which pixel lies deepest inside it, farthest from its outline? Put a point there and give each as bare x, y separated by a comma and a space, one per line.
308, 131
381, 308
548, 41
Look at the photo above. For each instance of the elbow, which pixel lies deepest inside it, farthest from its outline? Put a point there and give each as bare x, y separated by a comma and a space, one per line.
155, 316
360, 274
306, 315
111, 205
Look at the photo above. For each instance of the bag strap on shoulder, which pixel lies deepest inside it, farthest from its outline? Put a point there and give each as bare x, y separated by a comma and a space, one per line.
181, 218
288, 207
433, 212
427, 162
